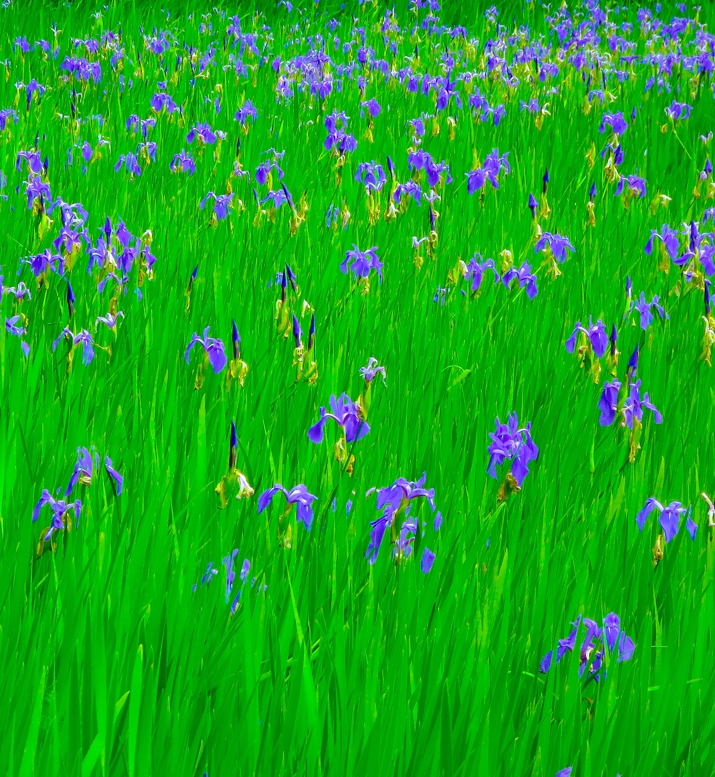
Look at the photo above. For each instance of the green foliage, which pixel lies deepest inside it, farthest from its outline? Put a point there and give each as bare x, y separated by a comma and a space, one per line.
113, 665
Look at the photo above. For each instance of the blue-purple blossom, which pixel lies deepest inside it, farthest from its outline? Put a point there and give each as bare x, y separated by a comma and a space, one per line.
558, 244
475, 271
346, 414
643, 308
678, 111
246, 110
608, 403
633, 407
361, 262
213, 348
372, 369
83, 337
222, 203
597, 640
298, 495
525, 278
670, 516
394, 500
182, 162
371, 175
59, 509
615, 121
669, 237
130, 164
117, 479
201, 132
636, 186
511, 443
427, 561
595, 334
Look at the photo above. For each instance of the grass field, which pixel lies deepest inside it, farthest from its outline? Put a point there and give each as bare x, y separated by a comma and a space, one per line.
133, 640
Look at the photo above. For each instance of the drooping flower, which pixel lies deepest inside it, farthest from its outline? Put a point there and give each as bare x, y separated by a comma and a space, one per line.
511, 443
525, 278
595, 334
668, 237
597, 641
59, 509
346, 414
643, 309
670, 516
372, 369
182, 162
213, 347
83, 337
201, 132
298, 495
557, 244
475, 271
222, 204
633, 407
427, 561
114, 475
608, 403
361, 262
394, 501
615, 121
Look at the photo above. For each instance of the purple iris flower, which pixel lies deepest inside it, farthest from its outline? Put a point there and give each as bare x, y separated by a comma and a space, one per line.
12, 328
595, 334
371, 175
409, 187
533, 205
114, 475
110, 320
182, 162
82, 472
643, 308
476, 270
59, 508
707, 170
162, 100
203, 133
558, 244
246, 110
678, 111
633, 407
298, 495
83, 337
608, 403
669, 237
636, 186
615, 121
130, 164
222, 203
373, 107
392, 500
669, 517
477, 178
509, 442
525, 278
362, 262
347, 414
372, 369
264, 168
277, 198
213, 348
37, 189
427, 561
596, 641
566, 772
